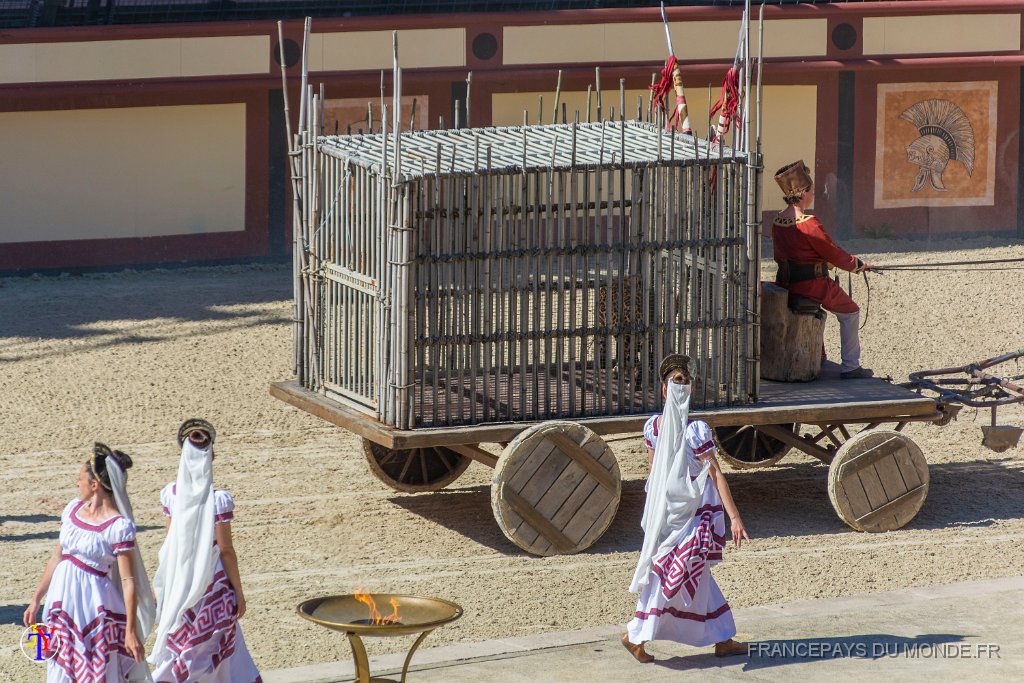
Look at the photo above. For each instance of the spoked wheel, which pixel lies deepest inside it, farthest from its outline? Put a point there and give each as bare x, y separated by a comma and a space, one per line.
744, 447
415, 469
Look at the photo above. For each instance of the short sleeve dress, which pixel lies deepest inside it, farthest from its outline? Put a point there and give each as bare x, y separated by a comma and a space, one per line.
84, 609
682, 601
208, 646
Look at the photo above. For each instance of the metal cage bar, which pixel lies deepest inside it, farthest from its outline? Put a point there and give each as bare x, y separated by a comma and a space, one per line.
512, 274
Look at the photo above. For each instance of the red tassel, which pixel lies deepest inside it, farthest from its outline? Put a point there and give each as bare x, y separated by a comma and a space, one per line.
661, 89
727, 105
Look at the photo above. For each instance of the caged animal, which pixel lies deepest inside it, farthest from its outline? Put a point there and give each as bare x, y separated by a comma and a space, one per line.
946, 135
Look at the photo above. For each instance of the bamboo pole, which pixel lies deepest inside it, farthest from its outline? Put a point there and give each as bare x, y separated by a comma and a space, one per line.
475, 228
297, 322
507, 313
558, 97
573, 276
522, 282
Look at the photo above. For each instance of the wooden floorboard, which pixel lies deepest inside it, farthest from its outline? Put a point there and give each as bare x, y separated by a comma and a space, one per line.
828, 399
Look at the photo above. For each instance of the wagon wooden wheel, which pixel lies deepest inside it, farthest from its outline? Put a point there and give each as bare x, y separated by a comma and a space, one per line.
878, 480
555, 489
415, 469
747, 446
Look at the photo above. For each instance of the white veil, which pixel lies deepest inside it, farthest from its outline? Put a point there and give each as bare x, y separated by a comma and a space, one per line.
672, 494
188, 556
145, 603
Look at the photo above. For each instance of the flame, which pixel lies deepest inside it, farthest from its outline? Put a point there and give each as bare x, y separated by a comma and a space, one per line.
376, 618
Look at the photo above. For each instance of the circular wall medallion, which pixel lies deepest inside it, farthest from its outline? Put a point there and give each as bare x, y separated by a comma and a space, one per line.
485, 46
844, 36
291, 53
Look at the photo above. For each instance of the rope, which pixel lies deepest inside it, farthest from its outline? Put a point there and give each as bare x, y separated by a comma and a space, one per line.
940, 264
954, 270
867, 304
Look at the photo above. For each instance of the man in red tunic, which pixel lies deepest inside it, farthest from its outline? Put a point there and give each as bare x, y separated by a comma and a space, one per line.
805, 253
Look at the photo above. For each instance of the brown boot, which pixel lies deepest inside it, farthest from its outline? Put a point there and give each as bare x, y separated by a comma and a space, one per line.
731, 648
638, 651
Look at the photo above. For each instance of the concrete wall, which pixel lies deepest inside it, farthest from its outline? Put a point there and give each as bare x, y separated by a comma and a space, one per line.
146, 144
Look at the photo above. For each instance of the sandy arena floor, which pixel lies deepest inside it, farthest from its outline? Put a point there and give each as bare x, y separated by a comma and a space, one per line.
123, 358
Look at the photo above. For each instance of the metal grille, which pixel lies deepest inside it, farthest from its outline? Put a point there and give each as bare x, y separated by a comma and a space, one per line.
32, 13
508, 274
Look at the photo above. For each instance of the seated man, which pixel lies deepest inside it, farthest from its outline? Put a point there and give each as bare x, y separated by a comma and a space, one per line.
804, 251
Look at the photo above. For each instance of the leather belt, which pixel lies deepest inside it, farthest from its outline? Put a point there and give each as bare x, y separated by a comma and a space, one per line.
791, 272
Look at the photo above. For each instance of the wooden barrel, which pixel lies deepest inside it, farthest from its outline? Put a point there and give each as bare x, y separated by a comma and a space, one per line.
878, 480
555, 489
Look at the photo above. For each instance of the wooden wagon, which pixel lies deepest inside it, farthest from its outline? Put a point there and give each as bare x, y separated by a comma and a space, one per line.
519, 285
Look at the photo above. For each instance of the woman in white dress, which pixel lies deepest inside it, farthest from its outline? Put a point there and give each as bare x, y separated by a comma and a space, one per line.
99, 605
684, 531
198, 586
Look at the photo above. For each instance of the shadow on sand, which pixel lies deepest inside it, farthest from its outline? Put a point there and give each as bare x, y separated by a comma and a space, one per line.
765, 654
781, 501
76, 308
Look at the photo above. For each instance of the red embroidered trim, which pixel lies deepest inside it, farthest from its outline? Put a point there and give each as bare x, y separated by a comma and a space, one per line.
83, 566
86, 525
704, 447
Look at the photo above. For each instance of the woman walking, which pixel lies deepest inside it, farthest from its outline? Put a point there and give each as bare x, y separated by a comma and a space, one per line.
198, 586
99, 606
684, 531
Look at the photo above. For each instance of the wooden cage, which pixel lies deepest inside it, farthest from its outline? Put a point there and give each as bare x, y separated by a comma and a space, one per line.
469, 276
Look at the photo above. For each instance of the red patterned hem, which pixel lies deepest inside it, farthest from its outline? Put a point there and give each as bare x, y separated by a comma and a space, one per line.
85, 653
214, 616
680, 614
685, 565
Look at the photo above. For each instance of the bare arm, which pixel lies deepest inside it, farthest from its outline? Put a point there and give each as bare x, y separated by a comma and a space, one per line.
32, 610
131, 637
739, 532
230, 561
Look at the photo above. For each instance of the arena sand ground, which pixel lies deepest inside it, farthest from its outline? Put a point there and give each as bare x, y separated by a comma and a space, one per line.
124, 357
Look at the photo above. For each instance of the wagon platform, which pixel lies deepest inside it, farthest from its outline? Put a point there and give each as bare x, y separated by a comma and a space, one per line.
556, 485
825, 400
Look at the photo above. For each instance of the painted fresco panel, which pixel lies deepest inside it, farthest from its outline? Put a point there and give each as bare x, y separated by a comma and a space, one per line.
349, 115
935, 144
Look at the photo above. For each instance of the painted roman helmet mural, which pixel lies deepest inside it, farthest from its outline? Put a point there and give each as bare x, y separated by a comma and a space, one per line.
946, 135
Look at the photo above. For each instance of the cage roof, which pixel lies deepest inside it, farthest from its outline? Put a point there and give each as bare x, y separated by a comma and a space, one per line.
466, 151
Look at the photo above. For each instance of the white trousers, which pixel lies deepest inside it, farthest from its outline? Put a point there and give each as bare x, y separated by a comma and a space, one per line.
849, 339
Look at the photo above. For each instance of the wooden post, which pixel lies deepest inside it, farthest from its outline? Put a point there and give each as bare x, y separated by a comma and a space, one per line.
790, 344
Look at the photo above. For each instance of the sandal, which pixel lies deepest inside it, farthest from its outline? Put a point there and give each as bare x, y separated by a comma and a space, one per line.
731, 648
639, 653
